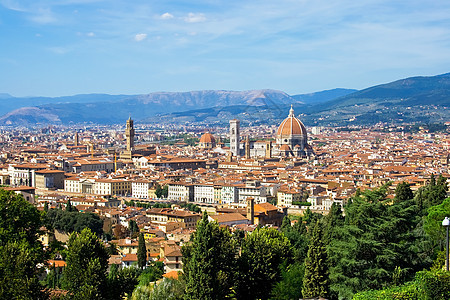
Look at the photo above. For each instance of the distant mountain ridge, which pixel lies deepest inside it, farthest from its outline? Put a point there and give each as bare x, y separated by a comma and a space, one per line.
104, 110
323, 96
414, 99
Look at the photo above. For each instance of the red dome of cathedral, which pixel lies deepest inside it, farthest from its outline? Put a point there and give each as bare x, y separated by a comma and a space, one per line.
291, 126
207, 138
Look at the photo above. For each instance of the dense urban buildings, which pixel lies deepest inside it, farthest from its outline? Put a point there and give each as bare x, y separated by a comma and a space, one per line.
243, 177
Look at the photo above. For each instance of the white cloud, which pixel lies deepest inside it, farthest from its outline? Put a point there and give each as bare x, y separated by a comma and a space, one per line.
166, 16
140, 37
90, 34
195, 18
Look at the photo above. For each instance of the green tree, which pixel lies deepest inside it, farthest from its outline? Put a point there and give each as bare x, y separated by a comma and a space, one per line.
158, 191
209, 262
69, 206
309, 217
87, 262
153, 272
431, 194
121, 282
403, 192
433, 222
297, 235
165, 191
291, 284
133, 227
21, 254
332, 222
73, 221
377, 237
262, 254
315, 280
142, 252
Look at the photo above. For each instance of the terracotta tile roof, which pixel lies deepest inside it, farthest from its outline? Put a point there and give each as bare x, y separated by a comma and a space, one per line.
130, 257
230, 217
56, 263
171, 275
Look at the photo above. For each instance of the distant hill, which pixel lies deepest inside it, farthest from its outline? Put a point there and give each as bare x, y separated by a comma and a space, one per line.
5, 96
115, 109
410, 91
323, 96
415, 99
9, 103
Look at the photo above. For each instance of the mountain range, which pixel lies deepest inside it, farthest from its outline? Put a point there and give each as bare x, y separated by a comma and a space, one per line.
414, 99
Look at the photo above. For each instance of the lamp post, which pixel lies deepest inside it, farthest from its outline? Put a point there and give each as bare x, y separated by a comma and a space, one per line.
446, 224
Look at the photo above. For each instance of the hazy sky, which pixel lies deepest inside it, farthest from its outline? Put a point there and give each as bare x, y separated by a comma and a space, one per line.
66, 47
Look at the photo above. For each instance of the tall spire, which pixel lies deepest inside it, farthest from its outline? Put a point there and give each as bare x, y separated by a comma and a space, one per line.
291, 112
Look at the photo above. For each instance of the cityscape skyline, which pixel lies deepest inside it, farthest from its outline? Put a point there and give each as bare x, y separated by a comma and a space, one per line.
83, 46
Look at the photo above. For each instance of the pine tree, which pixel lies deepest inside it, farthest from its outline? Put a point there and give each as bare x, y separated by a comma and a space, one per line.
332, 222
377, 237
315, 281
68, 206
403, 192
209, 262
142, 252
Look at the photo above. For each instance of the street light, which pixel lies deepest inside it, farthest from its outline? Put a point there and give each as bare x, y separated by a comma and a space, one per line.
446, 224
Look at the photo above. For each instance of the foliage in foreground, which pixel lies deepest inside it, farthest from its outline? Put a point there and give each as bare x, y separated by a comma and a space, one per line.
87, 262
428, 285
21, 253
167, 289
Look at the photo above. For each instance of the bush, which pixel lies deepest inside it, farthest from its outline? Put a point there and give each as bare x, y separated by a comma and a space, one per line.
428, 285
407, 291
434, 285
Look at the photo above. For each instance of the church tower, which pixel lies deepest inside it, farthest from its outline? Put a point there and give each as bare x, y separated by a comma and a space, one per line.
129, 133
251, 210
247, 148
234, 137
77, 141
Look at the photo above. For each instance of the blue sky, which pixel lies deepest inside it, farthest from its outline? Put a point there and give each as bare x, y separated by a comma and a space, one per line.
66, 47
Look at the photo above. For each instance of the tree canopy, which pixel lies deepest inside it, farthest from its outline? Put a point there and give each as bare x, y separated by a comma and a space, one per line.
262, 254
74, 221
209, 262
87, 262
21, 254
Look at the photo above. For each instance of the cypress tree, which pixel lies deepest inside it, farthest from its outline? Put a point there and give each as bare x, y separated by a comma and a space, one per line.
69, 206
315, 281
142, 252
